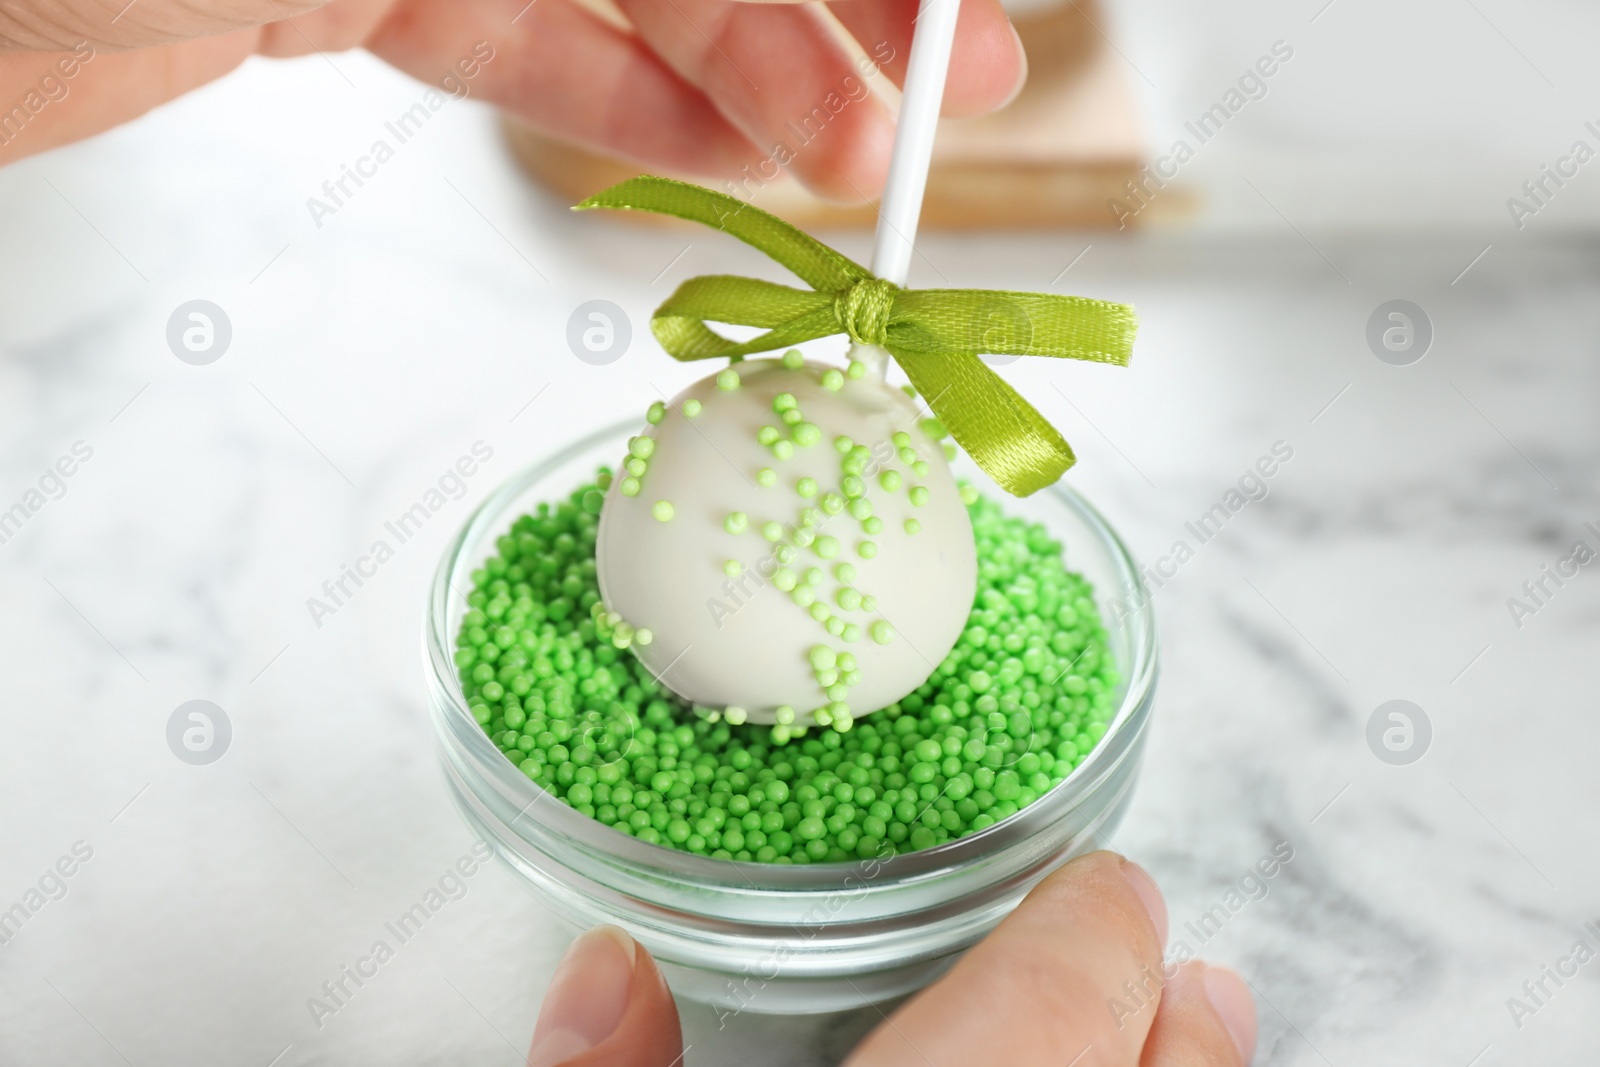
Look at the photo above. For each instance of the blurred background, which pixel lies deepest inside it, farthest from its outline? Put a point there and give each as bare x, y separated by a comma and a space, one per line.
1443, 466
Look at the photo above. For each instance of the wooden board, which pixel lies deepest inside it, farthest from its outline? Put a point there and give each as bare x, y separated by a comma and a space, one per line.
1054, 157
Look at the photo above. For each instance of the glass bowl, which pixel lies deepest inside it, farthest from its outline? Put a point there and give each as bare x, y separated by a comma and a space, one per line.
776, 938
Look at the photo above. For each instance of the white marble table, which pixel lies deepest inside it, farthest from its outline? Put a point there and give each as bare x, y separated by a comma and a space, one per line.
430, 312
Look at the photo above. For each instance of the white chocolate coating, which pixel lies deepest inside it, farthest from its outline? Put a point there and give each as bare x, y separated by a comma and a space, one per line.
742, 642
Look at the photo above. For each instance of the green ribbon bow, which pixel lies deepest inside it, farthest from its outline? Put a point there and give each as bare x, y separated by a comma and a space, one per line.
934, 334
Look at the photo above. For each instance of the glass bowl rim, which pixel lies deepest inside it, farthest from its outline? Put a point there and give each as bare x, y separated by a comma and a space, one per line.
454, 722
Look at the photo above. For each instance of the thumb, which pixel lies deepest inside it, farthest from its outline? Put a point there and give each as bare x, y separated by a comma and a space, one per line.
607, 1006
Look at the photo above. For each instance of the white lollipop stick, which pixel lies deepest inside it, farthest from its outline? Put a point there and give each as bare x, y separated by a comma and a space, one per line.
913, 147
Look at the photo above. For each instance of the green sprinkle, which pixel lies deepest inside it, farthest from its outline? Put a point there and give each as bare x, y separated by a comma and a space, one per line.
783, 402
827, 547
1025, 696
768, 435
736, 522
783, 449
810, 518
784, 579
913, 527
635, 466
845, 572
662, 510
785, 553
629, 487
807, 434
772, 531
949, 452
656, 413
820, 611
766, 477
890, 480
794, 359
934, 429
901, 439
822, 658
728, 380
883, 633
856, 369
832, 380
908, 456
733, 568
843, 444
847, 598
784, 714
872, 526
691, 408
806, 487
792, 417
852, 486
832, 503
867, 549
921, 468
861, 509
814, 576
805, 536
918, 495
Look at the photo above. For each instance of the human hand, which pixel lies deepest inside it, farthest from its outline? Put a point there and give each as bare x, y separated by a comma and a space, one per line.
699, 86
1073, 977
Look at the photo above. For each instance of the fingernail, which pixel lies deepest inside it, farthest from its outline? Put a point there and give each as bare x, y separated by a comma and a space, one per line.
1145, 887
1022, 75
1231, 997
587, 996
